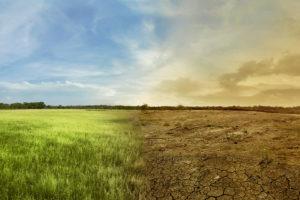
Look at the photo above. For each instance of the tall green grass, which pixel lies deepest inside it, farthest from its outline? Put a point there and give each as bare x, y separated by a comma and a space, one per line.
69, 154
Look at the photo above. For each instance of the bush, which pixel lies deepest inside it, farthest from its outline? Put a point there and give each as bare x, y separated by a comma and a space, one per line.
144, 107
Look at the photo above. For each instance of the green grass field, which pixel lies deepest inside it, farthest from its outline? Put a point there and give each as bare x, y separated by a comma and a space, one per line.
69, 154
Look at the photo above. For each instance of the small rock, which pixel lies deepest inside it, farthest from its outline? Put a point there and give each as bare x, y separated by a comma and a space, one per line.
211, 198
225, 197
166, 124
215, 192
178, 124
229, 191
262, 196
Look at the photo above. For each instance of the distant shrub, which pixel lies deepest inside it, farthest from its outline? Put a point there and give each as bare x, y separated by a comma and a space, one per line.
180, 107
144, 107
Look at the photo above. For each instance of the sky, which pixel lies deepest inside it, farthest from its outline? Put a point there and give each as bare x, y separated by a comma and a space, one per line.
159, 52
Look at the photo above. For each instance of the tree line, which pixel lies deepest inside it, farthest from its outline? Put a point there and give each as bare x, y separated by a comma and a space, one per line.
25, 105
145, 107
258, 108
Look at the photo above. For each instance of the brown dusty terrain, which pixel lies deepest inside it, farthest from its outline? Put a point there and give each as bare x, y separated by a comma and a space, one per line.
221, 155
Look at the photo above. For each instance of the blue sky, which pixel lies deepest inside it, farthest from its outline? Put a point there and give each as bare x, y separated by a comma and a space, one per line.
72, 51
146, 51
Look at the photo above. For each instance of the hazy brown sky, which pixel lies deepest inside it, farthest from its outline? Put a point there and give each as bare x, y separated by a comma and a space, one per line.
234, 52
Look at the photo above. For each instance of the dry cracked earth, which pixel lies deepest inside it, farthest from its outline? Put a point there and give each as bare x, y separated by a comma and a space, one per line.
218, 155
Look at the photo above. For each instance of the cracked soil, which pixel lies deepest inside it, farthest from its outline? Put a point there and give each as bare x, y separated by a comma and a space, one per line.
220, 155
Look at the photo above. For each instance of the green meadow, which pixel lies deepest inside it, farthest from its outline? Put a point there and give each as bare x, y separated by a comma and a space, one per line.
69, 154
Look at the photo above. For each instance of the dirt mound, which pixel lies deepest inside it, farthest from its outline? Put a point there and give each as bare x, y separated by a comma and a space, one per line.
221, 155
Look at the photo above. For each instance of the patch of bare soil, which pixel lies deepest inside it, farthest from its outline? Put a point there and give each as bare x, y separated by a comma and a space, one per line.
221, 155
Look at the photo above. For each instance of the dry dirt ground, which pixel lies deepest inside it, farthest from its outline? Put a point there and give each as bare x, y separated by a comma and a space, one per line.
221, 155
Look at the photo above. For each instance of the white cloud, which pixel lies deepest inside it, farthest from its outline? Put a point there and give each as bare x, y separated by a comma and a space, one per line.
65, 70
153, 7
17, 20
146, 52
54, 86
148, 26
